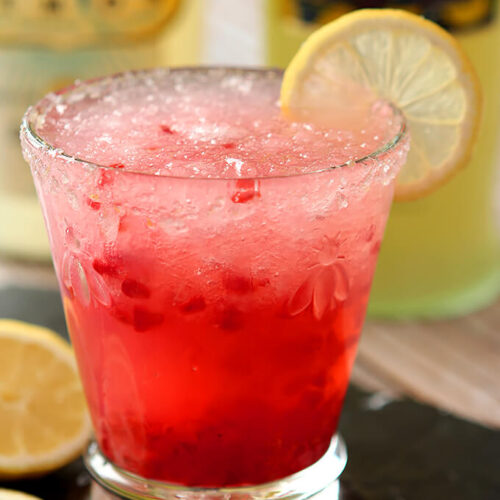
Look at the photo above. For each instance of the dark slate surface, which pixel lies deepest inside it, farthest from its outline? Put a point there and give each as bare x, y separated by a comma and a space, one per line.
401, 451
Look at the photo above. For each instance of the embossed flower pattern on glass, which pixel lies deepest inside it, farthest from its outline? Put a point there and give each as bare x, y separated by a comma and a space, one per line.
327, 283
82, 281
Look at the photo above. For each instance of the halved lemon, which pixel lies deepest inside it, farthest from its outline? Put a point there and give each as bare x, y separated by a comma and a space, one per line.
15, 495
44, 422
408, 61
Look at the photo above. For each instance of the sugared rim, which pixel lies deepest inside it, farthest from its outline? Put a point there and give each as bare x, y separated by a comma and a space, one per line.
36, 111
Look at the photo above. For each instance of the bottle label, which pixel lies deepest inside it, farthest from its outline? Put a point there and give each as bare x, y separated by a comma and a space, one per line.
454, 15
69, 24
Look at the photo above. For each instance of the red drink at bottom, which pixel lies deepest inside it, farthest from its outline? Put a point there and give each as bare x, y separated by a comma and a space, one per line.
215, 276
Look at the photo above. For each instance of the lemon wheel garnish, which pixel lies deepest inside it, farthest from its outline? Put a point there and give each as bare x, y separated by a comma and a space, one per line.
15, 495
408, 61
44, 422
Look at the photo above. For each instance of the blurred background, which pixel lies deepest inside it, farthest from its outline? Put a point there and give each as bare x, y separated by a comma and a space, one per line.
439, 268
440, 256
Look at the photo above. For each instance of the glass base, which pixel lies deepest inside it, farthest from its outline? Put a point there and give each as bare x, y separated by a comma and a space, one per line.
304, 484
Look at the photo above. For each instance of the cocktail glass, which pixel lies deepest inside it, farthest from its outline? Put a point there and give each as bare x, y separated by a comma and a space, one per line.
214, 317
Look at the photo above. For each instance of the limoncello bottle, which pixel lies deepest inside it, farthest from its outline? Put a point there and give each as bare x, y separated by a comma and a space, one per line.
46, 45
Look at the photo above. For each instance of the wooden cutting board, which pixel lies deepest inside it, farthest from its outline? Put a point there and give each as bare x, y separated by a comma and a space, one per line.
452, 364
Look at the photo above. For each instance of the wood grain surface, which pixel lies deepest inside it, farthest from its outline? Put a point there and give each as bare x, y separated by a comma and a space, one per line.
452, 364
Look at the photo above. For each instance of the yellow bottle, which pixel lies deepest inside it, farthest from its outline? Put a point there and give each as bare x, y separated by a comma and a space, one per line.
441, 254
47, 44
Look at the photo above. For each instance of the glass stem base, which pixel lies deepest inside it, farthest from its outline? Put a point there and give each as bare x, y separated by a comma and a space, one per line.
304, 484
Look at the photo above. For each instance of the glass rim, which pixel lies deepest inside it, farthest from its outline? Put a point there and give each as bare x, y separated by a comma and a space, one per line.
33, 112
